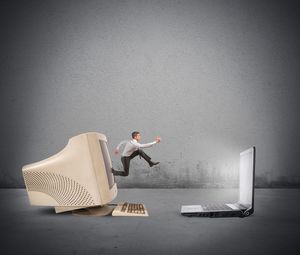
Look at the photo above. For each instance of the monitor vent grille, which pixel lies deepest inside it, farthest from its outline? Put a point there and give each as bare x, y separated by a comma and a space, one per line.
64, 190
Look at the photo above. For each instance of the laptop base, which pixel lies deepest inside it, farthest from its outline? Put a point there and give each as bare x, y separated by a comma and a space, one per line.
215, 214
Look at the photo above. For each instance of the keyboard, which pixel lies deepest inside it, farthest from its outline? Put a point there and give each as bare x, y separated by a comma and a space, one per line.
216, 207
130, 209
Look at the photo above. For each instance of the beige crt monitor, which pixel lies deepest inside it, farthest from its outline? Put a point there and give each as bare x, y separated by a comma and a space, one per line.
77, 177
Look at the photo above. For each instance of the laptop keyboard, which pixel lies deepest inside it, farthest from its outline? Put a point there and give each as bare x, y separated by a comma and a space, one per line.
216, 207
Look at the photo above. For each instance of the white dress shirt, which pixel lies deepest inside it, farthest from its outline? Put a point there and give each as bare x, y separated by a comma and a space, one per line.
132, 146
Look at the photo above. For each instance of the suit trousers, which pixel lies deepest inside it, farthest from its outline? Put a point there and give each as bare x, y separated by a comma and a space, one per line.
126, 161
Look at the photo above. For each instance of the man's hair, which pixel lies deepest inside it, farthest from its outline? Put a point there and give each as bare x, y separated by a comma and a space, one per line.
134, 133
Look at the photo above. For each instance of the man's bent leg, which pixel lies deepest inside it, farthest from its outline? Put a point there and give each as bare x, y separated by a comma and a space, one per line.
147, 158
126, 162
134, 154
118, 173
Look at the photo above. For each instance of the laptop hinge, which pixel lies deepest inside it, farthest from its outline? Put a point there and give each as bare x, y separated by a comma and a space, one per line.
242, 206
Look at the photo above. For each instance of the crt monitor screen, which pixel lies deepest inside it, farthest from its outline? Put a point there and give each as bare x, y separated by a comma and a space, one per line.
247, 164
106, 157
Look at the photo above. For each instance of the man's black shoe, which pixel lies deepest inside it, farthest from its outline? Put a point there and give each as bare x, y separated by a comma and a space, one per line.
153, 163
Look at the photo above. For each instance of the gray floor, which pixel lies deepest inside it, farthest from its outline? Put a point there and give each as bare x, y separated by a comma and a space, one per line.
273, 229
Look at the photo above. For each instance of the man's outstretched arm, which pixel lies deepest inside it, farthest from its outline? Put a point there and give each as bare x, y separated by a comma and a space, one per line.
146, 145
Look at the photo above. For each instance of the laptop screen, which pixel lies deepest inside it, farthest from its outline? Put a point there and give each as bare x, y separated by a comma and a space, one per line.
247, 164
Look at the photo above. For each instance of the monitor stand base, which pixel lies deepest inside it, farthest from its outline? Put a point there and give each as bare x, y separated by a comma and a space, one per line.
81, 210
62, 209
94, 211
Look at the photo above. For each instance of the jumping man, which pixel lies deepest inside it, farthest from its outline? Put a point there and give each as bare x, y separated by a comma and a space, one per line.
131, 150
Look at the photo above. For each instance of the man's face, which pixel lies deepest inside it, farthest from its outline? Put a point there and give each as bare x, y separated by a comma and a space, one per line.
137, 137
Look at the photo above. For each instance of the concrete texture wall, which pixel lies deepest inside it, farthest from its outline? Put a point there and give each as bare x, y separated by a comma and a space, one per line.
212, 78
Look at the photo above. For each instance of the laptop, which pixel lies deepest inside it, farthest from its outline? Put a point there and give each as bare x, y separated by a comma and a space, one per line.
245, 205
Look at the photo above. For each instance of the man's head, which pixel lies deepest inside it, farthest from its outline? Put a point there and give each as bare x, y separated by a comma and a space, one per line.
136, 135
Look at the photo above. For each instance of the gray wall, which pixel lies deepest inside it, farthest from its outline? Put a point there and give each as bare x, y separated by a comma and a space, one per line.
211, 78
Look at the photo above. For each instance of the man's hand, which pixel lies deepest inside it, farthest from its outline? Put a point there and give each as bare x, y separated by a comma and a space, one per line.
116, 151
157, 139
